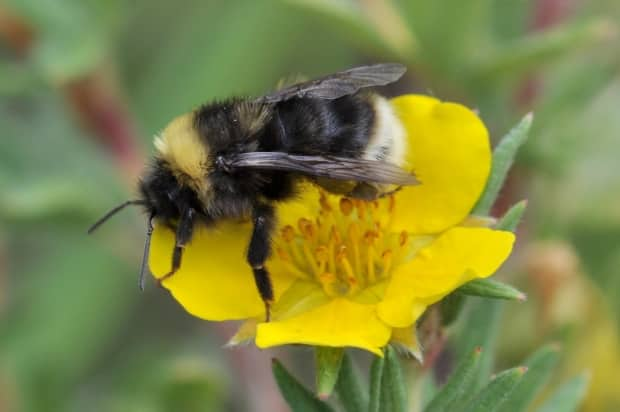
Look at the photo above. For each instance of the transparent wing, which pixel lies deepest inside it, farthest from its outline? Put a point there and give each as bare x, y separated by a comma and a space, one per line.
337, 168
339, 84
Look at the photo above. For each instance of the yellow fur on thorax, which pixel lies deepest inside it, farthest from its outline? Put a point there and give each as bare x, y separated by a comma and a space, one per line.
182, 148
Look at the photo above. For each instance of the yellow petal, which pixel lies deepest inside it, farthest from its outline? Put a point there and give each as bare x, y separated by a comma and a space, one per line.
455, 257
214, 281
338, 323
450, 154
401, 311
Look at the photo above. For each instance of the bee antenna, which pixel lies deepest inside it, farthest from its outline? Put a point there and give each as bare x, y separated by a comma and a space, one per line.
112, 212
145, 255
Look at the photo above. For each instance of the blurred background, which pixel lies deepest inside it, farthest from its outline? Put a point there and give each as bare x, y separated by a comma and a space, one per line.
84, 85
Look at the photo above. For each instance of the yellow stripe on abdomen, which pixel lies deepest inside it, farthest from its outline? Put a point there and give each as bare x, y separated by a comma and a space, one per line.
388, 139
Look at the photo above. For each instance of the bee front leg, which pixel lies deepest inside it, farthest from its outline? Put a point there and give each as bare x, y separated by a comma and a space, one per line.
185, 229
258, 251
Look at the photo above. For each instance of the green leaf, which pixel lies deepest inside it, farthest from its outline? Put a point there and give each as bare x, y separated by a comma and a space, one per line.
349, 388
480, 312
512, 217
393, 383
349, 20
540, 48
456, 389
492, 396
451, 307
328, 361
503, 157
298, 397
540, 367
376, 376
489, 288
568, 397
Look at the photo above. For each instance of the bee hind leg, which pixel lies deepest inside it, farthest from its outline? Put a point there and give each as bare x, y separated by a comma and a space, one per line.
259, 250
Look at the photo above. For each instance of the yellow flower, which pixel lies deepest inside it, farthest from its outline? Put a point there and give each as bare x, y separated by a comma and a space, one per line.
353, 273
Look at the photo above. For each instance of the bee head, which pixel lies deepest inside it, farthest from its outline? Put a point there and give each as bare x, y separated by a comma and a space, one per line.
160, 192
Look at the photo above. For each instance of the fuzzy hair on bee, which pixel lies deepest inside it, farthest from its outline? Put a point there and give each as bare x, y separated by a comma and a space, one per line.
236, 159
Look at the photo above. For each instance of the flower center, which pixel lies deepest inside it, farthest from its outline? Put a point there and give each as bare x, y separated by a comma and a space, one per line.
347, 248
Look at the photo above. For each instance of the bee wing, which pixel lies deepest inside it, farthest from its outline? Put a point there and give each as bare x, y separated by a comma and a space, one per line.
339, 84
337, 168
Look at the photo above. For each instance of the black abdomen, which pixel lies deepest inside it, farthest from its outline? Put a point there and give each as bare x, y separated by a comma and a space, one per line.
340, 127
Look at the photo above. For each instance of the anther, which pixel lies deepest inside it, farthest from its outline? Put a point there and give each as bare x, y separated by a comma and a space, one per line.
325, 206
321, 254
282, 254
307, 229
370, 236
391, 203
346, 206
386, 256
402, 239
288, 233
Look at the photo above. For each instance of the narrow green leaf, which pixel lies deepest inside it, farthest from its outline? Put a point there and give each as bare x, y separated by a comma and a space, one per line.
512, 217
349, 388
376, 376
451, 306
540, 366
454, 391
328, 361
492, 396
503, 157
489, 288
298, 397
568, 397
386, 401
480, 312
393, 383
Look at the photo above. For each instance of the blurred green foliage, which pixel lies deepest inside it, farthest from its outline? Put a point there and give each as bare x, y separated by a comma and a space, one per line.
76, 335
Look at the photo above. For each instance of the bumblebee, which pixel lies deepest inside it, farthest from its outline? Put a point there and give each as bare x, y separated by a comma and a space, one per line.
237, 158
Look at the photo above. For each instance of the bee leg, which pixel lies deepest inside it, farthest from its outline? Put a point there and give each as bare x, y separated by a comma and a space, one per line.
185, 229
259, 250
